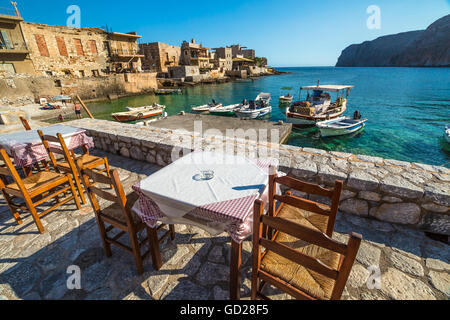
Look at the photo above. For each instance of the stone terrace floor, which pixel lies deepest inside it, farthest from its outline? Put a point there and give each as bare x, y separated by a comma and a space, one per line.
196, 265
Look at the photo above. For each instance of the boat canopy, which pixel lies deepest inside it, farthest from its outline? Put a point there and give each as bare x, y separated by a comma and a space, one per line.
328, 88
264, 96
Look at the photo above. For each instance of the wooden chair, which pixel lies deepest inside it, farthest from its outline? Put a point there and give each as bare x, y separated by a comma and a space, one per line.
68, 165
301, 261
311, 214
121, 216
35, 190
25, 124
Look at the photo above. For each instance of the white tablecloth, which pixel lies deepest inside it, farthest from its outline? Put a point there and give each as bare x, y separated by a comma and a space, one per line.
173, 195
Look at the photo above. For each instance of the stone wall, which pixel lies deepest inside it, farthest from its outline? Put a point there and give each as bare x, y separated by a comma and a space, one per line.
25, 89
411, 194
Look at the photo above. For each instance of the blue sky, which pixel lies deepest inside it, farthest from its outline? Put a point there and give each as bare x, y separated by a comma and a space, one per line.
287, 32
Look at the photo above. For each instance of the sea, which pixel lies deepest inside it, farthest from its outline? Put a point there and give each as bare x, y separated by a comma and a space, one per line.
407, 108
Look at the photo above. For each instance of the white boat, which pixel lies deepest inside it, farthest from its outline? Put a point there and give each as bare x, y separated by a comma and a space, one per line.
248, 113
447, 133
263, 99
318, 106
255, 109
225, 111
207, 107
340, 126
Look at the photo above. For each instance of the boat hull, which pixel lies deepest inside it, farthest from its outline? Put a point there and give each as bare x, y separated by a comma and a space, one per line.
328, 132
299, 120
253, 114
134, 117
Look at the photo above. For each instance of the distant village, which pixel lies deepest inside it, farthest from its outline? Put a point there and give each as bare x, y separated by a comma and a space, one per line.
70, 56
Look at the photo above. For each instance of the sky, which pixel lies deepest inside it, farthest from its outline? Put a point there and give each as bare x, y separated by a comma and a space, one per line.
287, 32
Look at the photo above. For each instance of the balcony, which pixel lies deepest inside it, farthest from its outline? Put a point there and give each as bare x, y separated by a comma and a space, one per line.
16, 48
126, 53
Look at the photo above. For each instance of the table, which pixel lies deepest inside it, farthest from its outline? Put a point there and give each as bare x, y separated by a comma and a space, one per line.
177, 195
27, 149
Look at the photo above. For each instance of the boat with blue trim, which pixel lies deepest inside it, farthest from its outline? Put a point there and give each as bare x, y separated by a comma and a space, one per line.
340, 126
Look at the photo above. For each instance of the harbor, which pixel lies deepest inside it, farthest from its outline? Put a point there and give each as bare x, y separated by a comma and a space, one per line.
419, 123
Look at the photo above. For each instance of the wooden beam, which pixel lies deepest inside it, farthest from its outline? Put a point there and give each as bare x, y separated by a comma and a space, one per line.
85, 108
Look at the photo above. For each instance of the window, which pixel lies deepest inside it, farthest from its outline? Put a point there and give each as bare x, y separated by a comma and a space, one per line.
62, 46
93, 46
78, 47
42, 45
8, 67
4, 40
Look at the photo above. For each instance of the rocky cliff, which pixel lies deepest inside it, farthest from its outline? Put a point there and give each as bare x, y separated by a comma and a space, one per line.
425, 48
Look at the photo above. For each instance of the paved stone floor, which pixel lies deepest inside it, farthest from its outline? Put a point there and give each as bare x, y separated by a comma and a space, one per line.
196, 265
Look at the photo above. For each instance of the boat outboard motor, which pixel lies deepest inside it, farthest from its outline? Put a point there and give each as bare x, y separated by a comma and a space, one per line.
213, 102
252, 105
357, 115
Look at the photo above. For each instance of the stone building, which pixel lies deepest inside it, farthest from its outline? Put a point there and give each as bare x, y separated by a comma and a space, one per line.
81, 52
193, 54
242, 52
124, 52
224, 58
182, 72
14, 53
158, 56
58, 50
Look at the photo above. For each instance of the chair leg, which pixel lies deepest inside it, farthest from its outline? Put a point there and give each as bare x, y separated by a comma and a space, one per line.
74, 193
13, 210
79, 187
35, 215
103, 235
136, 250
172, 231
153, 242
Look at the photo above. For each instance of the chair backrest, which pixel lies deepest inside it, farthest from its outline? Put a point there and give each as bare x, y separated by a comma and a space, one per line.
9, 170
347, 252
91, 179
57, 145
309, 188
25, 124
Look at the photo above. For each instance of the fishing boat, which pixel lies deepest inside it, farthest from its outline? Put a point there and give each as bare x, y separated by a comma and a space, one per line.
139, 114
318, 106
447, 133
207, 107
255, 109
227, 111
286, 99
168, 91
340, 126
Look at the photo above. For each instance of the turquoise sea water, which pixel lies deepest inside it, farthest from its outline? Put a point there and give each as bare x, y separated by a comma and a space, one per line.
407, 108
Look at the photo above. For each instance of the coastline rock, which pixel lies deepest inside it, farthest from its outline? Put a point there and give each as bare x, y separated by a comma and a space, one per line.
423, 48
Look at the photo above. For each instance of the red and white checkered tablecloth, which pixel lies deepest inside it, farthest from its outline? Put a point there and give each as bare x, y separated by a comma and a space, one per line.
235, 216
27, 149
